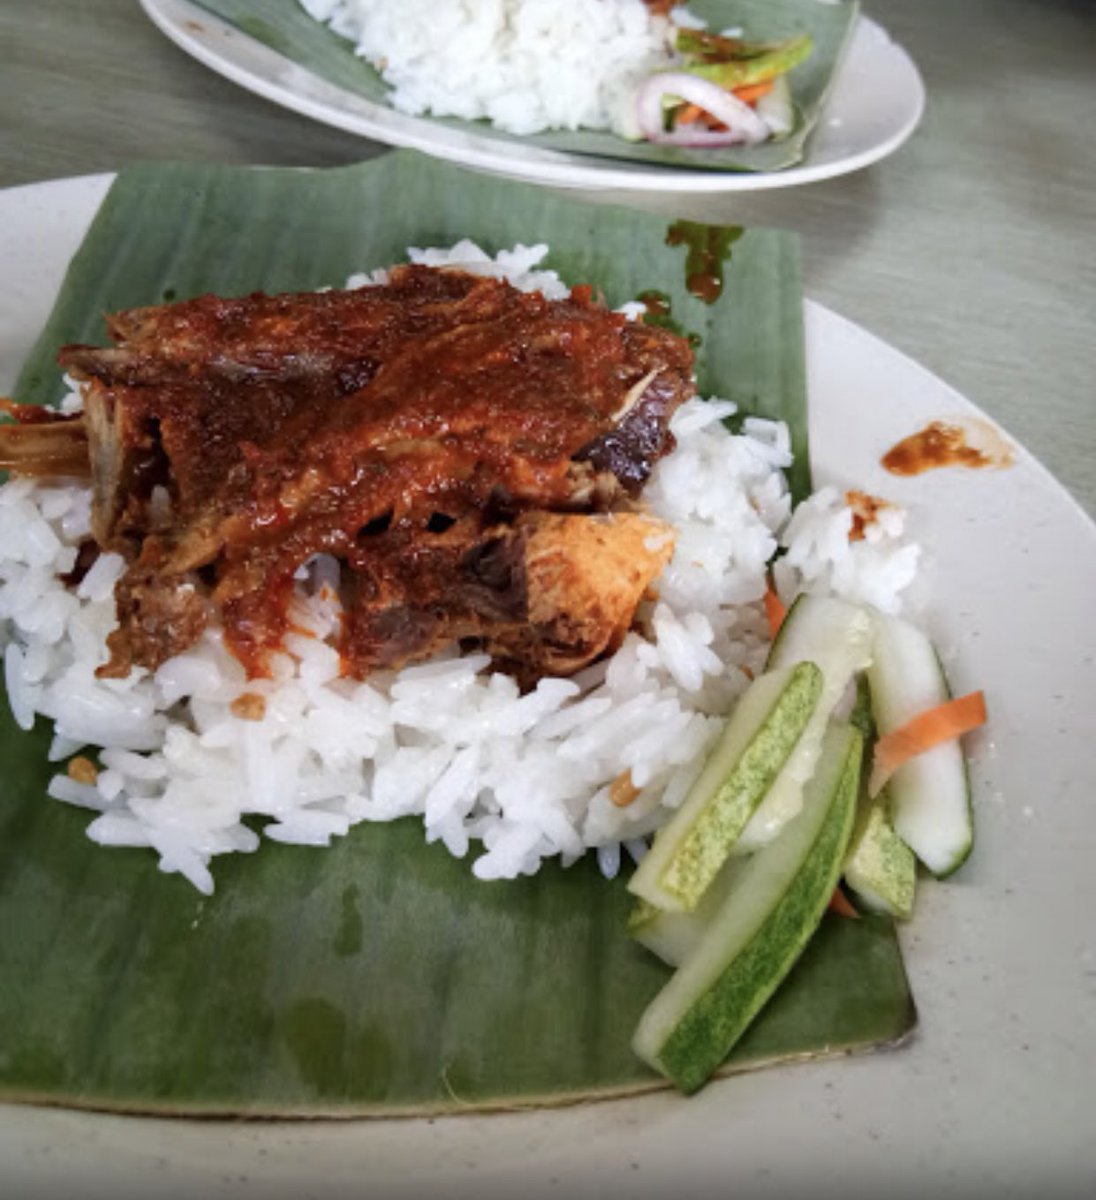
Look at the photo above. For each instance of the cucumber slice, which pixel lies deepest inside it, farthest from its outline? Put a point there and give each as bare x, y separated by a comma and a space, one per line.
672, 936
838, 637
930, 794
762, 732
860, 717
821, 628
768, 915
777, 109
881, 868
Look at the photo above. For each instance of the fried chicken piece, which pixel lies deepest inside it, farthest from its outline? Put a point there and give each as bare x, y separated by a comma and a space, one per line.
412, 429
545, 596
584, 578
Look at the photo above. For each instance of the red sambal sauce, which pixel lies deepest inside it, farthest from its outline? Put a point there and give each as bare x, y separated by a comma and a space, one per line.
939, 444
865, 509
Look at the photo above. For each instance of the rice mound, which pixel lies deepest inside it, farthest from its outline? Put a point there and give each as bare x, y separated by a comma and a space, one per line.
187, 752
524, 65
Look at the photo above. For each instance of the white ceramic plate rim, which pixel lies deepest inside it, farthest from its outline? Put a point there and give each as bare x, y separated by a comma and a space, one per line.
992, 1095
875, 104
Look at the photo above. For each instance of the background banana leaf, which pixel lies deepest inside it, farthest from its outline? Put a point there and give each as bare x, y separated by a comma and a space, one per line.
376, 976
285, 27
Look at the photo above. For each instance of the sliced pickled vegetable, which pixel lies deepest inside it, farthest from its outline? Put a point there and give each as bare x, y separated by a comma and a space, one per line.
838, 637
775, 61
930, 792
761, 734
881, 868
768, 915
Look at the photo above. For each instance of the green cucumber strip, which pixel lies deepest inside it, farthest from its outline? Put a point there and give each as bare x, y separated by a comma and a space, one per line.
767, 918
674, 935
860, 718
837, 636
930, 794
817, 626
761, 734
777, 109
881, 869
747, 72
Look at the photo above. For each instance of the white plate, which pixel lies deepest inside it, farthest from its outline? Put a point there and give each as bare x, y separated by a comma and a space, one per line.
876, 102
993, 1096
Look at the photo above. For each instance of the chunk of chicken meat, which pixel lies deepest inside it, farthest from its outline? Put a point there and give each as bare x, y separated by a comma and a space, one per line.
448, 438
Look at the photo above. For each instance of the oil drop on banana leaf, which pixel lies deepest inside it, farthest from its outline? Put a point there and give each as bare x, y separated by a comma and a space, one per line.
377, 976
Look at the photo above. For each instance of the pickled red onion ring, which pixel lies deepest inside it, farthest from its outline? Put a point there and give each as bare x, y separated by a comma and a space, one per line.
744, 126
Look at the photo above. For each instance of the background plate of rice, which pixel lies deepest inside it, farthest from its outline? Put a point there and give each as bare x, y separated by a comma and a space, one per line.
1002, 957
872, 105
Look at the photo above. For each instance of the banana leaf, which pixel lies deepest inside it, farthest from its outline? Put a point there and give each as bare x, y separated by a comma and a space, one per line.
376, 976
286, 28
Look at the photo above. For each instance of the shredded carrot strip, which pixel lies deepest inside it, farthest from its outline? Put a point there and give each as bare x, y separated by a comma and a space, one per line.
774, 608
687, 114
622, 791
752, 93
926, 730
842, 905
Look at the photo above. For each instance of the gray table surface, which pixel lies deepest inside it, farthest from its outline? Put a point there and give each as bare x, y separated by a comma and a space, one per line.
973, 248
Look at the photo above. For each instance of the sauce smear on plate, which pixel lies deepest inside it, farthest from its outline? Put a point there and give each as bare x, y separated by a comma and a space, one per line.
946, 444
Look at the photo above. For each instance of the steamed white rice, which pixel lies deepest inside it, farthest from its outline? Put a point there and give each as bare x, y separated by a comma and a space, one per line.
524, 65
510, 779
